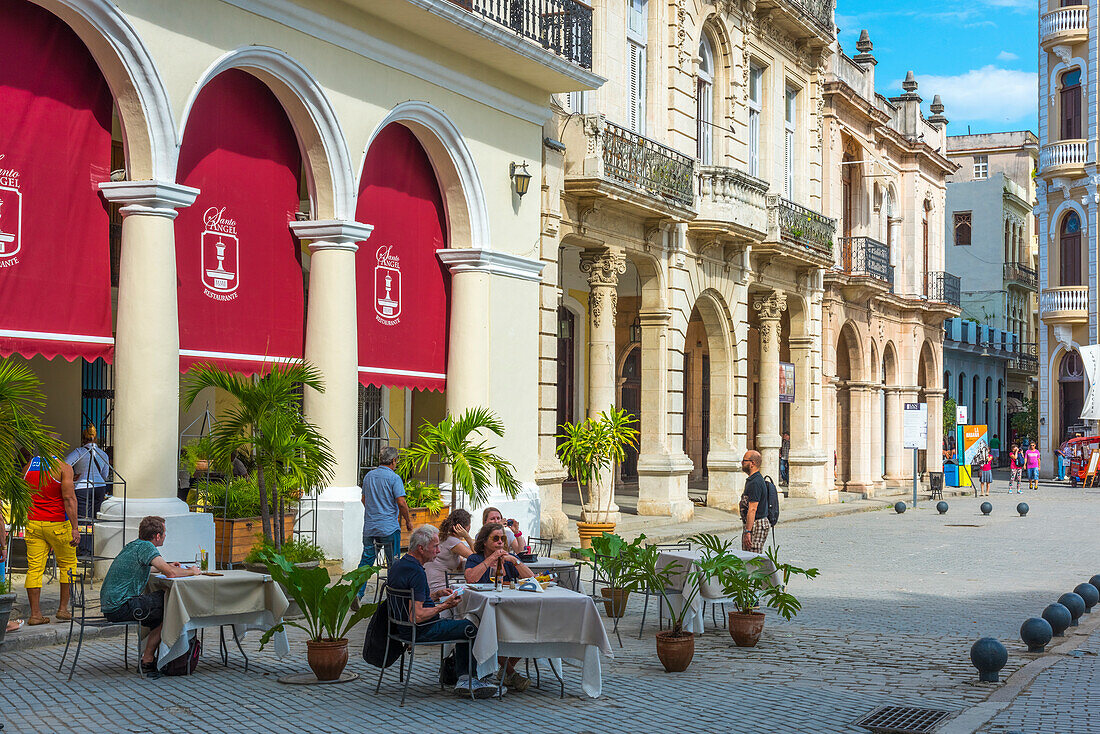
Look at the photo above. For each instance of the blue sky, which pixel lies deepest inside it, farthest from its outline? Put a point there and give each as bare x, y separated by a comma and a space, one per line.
981, 57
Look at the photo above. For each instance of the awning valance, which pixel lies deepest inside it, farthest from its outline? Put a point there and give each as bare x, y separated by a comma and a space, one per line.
55, 150
239, 269
403, 291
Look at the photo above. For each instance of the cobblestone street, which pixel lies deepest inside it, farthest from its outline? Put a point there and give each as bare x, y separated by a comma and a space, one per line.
890, 620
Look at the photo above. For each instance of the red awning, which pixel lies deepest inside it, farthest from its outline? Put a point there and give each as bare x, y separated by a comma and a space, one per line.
239, 268
55, 150
402, 288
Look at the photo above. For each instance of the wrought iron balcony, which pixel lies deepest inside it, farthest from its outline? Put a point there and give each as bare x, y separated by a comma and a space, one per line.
1026, 358
561, 26
600, 151
865, 256
942, 287
1022, 274
798, 225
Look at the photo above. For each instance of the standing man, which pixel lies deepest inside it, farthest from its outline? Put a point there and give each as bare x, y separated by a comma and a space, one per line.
995, 449
754, 505
383, 506
49, 528
1032, 456
784, 459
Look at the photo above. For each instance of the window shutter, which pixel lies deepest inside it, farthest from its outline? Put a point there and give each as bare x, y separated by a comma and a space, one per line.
754, 143
788, 165
637, 88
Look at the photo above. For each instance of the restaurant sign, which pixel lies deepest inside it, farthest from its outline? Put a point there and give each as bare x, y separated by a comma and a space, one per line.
11, 215
220, 256
387, 286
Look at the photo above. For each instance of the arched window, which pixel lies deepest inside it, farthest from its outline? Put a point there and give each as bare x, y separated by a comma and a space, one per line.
1071, 105
960, 399
704, 98
924, 242
947, 383
1069, 250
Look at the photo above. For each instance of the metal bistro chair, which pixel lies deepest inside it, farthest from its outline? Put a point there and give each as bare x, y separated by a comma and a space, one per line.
682, 546
541, 547
79, 609
382, 561
611, 582
403, 599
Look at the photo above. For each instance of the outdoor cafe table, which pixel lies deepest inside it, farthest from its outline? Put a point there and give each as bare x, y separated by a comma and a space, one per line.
243, 599
566, 570
557, 623
711, 590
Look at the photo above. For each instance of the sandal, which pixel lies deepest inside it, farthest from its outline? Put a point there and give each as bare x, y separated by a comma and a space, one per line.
64, 615
35, 621
18, 625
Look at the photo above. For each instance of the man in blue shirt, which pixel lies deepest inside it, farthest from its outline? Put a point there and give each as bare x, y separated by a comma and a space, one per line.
383, 504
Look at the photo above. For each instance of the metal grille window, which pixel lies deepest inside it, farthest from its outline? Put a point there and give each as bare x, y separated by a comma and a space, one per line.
756, 105
371, 428
981, 167
97, 401
962, 229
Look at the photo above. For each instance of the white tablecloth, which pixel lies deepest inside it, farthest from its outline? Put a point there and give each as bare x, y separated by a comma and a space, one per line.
710, 591
555, 624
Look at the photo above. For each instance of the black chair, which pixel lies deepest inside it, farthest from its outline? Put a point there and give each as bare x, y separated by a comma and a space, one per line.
682, 546
541, 547
382, 561
78, 606
403, 599
935, 483
610, 581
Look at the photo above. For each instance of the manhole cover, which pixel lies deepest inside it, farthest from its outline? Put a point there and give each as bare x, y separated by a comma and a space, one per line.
903, 720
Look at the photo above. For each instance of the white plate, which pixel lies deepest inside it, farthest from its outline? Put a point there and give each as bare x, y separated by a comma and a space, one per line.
480, 587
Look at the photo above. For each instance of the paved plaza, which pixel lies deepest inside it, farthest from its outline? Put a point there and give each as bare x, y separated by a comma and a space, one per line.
890, 620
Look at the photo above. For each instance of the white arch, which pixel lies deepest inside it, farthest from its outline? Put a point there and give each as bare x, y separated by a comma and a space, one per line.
455, 168
1073, 63
135, 82
1057, 216
331, 181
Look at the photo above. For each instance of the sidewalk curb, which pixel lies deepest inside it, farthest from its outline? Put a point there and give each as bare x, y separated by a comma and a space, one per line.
52, 635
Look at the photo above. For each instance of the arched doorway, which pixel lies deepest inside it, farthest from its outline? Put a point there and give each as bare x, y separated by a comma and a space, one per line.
850, 444
630, 400
1071, 392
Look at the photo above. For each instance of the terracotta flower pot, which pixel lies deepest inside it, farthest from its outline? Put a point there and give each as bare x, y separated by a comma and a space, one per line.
675, 651
616, 607
590, 530
746, 627
327, 658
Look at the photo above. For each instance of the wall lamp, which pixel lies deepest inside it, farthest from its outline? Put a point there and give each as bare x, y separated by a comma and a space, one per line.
521, 177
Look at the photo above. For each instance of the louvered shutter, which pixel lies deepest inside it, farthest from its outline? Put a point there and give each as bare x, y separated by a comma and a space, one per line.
636, 112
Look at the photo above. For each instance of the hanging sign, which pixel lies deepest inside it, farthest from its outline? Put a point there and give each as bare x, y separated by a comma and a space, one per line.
960, 415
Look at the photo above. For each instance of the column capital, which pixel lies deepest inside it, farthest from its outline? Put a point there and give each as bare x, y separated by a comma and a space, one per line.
770, 305
655, 316
893, 389
475, 260
151, 198
332, 234
603, 267
934, 392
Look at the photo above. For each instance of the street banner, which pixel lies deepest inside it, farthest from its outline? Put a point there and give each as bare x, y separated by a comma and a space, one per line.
915, 426
1090, 357
786, 382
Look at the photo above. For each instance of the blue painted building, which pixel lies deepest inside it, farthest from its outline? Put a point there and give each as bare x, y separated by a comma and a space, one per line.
976, 359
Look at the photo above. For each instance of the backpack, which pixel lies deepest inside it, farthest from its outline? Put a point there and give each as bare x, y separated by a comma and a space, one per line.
185, 664
773, 502
1021, 459
374, 644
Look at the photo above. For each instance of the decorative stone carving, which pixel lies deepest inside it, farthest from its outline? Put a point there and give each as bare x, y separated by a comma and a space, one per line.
770, 306
603, 269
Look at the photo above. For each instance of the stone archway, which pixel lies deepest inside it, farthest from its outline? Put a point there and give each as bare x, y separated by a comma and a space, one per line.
853, 441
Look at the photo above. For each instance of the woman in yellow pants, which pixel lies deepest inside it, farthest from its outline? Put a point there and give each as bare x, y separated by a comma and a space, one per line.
48, 528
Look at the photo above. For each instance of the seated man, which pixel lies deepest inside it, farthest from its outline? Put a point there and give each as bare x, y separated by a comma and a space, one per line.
490, 554
407, 573
123, 596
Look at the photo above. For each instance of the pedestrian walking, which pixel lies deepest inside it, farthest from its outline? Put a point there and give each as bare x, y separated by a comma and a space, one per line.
987, 476
1016, 463
754, 505
1060, 458
383, 508
995, 449
1033, 458
785, 459
91, 467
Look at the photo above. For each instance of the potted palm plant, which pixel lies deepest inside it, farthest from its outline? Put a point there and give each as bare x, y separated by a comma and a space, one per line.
748, 584
590, 450
609, 555
291, 456
326, 610
474, 465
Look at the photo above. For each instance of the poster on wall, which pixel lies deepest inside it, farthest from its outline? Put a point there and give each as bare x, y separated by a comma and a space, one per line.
786, 382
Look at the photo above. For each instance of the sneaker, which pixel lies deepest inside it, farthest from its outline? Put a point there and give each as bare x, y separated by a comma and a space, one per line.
481, 688
516, 682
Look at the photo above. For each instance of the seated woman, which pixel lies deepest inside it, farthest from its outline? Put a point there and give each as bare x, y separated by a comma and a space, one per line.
512, 533
489, 553
455, 545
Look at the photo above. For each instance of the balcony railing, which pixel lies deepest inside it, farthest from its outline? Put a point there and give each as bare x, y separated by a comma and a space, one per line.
943, 288
797, 224
1064, 20
866, 256
1026, 358
730, 195
561, 26
637, 161
1064, 299
1021, 274
1066, 153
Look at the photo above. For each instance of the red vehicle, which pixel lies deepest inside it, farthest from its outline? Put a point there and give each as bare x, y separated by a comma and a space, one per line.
1077, 451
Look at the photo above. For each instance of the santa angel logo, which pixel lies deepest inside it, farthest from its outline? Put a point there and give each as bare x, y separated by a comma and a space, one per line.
11, 213
220, 254
387, 286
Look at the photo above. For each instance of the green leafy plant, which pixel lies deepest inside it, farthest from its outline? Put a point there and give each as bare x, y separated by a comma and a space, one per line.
748, 584
610, 554
22, 432
240, 497
326, 609
295, 550
474, 464
5, 586
267, 422
1026, 422
427, 496
193, 453
949, 406
592, 447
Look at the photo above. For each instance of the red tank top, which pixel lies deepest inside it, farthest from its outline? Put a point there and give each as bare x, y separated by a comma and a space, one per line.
48, 505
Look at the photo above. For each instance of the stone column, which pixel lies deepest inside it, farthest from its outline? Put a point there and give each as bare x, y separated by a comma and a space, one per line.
331, 347
803, 457
859, 439
147, 373
874, 425
603, 268
895, 454
770, 306
934, 398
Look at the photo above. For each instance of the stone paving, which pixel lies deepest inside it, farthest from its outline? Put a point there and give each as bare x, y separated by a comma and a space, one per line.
890, 621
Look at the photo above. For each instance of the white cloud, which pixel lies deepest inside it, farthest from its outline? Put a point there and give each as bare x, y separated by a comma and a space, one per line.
989, 93
1007, 56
